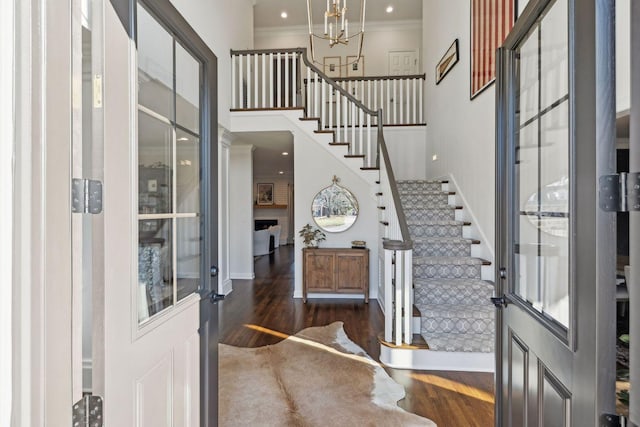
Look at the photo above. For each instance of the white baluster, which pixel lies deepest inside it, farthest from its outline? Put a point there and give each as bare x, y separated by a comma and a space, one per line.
338, 124
353, 147
420, 96
389, 102
241, 81
256, 99
395, 101
279, 80
309, 104
370, 150
287, 83
249, 79
264, 81
294, 79
323, 105
330, 89
233, 82
398, 297
388, 295
271, 85
368, 104
415, 97
345, 117
401, 83
408, 296
361, 126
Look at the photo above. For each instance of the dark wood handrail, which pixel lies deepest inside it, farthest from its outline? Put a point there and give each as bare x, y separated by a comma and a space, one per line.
404, 77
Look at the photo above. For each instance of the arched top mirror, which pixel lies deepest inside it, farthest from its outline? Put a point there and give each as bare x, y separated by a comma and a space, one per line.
334, 208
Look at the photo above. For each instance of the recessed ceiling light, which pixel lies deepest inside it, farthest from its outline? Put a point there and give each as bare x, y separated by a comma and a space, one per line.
284, 15
284, 153
389, 9
281, 172
184, 138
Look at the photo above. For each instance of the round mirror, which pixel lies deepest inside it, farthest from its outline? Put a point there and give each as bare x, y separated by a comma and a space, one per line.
334, 208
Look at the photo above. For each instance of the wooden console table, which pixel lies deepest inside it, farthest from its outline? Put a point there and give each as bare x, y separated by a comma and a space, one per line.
335, 270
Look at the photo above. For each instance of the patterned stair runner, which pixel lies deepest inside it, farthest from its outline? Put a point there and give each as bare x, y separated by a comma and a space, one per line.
453, 300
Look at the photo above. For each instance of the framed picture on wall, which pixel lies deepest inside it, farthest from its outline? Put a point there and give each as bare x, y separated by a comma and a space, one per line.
332, 66
447, 62
355, 68
265, 194
491, 21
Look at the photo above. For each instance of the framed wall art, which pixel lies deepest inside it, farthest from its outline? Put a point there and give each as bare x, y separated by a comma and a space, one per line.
447, 62
332, 66
265, 194
491, 21
355, 69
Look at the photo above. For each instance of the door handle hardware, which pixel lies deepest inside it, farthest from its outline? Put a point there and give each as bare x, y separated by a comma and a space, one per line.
612, 420
214, 271
499, 302
503, 273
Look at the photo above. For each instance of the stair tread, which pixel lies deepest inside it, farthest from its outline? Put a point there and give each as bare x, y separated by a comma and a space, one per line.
457, 311
426, 193
455, 260
437, 222
443, 240
420, 181
432, 208
472, 342
419, 282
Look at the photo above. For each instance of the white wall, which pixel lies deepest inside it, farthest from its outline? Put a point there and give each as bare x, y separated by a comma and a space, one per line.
460, 132
241, 207
380, 38
407, 148
314, 169
223, 25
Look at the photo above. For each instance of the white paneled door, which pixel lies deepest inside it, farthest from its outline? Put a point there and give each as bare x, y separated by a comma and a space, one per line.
144, 275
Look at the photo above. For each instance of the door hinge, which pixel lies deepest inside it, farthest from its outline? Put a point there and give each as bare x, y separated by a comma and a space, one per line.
86, 196
88, 412
612, 420
619, 192
499, 302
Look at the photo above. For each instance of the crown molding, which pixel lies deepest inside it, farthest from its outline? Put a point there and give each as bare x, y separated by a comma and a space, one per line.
371, 27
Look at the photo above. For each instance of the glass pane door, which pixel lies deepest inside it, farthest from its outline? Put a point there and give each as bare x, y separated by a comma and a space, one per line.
169, 173
541, 169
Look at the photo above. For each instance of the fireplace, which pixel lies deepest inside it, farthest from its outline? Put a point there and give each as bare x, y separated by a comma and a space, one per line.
261, 224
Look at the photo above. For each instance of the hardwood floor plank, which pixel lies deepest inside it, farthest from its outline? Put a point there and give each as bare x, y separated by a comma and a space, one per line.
263, 311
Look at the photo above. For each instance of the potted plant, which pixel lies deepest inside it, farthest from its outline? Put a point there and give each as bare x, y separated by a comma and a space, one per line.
311, 236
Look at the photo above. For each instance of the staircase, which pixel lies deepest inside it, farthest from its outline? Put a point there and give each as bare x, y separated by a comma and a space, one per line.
453, 300
431, 286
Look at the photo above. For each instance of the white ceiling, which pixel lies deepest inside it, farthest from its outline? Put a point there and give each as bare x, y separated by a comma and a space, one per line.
267, 12
267, 157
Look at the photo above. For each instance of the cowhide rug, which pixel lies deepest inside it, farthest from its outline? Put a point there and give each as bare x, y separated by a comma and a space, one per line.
318, 377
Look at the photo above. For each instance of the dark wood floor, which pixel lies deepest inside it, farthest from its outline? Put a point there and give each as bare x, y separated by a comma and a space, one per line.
263, 311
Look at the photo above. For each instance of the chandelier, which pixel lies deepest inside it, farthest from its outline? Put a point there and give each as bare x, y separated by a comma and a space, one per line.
336, 27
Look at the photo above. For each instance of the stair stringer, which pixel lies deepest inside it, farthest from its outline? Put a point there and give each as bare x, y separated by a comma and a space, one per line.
289, 120
431, 360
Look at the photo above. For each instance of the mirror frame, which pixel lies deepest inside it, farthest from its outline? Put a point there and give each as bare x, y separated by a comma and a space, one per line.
336, 180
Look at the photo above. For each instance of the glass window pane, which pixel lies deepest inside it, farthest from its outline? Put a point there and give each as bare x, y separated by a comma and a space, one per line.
188, 172
154, 165
554, 58
188, 261
155, 269
187, 90
528, 69
155, 65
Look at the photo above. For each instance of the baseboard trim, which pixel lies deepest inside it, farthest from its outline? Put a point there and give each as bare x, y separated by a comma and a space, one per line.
242, 276
226, 287
437, 360
332, 296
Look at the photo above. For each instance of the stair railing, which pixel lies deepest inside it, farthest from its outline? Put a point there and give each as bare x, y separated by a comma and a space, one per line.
272, 79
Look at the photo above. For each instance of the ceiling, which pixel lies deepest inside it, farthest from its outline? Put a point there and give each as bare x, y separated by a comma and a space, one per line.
269, 146
267, 12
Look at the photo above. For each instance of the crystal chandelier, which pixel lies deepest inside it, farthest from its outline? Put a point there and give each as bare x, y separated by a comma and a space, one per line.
336, 27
